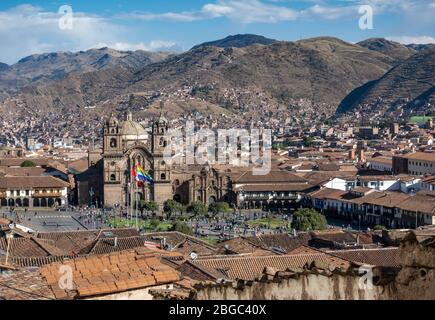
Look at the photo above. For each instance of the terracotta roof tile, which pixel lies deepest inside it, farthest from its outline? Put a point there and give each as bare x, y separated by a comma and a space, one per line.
121, 271
384, 257
249, 268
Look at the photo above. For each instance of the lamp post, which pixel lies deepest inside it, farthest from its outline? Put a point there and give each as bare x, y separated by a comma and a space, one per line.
91, 195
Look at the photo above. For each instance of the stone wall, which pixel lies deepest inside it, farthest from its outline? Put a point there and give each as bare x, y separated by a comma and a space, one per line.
415, 279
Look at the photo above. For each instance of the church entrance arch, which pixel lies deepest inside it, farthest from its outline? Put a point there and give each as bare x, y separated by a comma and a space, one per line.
138, 190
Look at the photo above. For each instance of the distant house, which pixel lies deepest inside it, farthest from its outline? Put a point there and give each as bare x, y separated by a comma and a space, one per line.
372, 207
383, 164
418, 163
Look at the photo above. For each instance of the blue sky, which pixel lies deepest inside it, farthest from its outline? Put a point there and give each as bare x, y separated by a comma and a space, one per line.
176, 25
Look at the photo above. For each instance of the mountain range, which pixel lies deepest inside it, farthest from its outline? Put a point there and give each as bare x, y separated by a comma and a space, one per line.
41, 69
410, 83
239, 73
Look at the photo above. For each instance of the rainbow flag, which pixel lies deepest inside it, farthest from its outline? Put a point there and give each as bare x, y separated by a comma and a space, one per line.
142, 176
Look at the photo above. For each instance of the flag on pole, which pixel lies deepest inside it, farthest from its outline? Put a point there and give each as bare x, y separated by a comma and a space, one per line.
133, 172
142, 176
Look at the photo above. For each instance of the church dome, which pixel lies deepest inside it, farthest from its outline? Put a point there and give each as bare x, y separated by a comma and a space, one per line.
132, 128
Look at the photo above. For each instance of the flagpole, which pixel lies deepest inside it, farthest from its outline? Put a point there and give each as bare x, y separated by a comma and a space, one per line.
131, 204
136, 210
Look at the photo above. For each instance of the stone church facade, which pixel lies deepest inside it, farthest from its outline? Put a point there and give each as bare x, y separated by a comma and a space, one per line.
125, 145
109, 182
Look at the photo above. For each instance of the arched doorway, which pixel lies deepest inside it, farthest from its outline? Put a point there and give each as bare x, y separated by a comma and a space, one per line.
19, 203
4, 203
43, 202
26, 202
51, 202
58, 202
177, 198
36, 203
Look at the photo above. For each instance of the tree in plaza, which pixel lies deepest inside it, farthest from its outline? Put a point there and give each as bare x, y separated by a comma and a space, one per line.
28, 164
308, 219
149, 206
172, 207
197, 208
219, 207
182, 227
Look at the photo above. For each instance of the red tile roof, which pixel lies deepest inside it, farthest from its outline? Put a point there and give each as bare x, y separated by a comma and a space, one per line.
32, 182
110, 273
383, 257
249, 268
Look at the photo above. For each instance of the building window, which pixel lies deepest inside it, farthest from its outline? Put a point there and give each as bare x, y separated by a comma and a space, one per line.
112, 177
162, 142
113, 143
163, 176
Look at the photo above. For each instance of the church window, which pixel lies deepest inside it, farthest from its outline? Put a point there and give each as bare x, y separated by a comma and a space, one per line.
162, 142
113, 143
163, 176
113, 177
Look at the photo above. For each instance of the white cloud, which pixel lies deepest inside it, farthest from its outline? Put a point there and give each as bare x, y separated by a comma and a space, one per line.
27, 29
246, 11
331, 13
413, 39
272, 11
155, 45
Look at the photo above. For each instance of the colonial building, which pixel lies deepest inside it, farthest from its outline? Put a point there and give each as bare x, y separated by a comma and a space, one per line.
418, 163
33, 192
371, 207
108, 181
